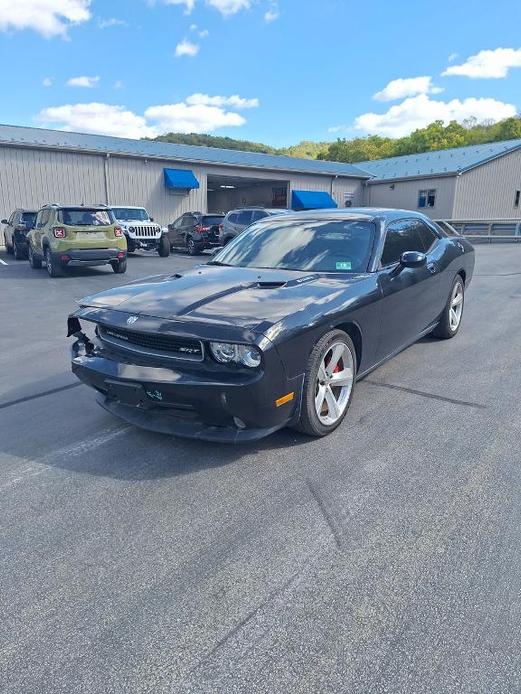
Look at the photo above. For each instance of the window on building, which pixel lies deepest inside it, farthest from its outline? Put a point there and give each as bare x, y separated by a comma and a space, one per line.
426, 198
517, 198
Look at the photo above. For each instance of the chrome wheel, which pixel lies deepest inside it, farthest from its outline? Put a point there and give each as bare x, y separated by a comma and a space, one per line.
456, 306
335, 379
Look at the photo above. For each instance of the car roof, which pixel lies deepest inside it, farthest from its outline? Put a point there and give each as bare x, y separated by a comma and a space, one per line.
129, 207
366, 213
55, 206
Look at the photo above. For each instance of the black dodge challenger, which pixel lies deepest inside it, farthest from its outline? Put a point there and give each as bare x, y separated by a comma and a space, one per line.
276, 329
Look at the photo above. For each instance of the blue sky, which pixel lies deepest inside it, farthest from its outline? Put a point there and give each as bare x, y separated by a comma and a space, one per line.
277, 71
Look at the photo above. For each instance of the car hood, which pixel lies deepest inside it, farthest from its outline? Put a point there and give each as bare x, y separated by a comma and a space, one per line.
245, 297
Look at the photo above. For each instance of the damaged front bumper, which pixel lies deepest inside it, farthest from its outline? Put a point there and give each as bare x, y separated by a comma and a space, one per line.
189, 400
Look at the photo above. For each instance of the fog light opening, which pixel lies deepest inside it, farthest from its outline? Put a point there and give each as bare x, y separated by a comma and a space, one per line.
239, 423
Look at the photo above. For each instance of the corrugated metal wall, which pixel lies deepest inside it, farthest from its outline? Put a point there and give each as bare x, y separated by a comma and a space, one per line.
33, 177
404, 195
488, 191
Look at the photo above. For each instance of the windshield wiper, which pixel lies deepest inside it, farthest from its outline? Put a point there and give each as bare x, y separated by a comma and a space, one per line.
218, 262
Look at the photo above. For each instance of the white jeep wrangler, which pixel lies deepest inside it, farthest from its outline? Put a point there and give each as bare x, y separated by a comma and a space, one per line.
141, 231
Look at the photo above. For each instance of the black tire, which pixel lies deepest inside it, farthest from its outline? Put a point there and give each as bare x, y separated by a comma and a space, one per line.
35, 263
8, 248
309, 423
191, 247
19, 254
54, 267
119, 266
164, 247
445, 328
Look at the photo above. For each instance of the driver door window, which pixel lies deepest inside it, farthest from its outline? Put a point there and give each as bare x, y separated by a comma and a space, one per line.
401, 236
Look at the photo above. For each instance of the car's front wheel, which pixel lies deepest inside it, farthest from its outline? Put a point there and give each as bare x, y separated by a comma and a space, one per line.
328, 384
164, 247
453, 312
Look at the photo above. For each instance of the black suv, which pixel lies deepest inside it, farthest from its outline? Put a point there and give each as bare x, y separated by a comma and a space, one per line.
195, 231
15, 232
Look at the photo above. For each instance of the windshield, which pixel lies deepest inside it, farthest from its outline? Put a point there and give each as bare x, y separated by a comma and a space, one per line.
311, 244
129, 214
84, 217
29, 218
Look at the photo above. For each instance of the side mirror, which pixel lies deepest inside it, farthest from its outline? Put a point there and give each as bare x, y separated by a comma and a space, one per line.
151, 219
4, 221
412, 259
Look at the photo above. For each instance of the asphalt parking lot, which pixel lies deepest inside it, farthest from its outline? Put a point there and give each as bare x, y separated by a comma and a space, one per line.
384, 558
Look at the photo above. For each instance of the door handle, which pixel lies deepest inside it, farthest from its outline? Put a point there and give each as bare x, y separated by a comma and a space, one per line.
432, 268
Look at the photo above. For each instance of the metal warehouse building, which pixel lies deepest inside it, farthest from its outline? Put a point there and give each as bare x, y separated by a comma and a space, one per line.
478, 182
42, 166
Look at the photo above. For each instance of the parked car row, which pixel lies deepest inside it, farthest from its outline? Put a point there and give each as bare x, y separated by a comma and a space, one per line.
73, 236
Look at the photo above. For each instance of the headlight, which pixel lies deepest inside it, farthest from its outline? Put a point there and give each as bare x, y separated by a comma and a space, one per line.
226, 353
131, 229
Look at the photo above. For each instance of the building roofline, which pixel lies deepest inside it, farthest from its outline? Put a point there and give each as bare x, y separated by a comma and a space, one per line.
509, 146
358, 172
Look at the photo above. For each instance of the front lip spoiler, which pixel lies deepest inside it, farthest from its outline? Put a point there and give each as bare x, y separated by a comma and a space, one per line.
166, 424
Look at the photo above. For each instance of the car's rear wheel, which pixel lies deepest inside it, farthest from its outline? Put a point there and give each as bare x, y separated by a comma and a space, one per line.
19, 254
119, 266
328, 384
34, 262
164, 247
453, 312
191, 246
54, 267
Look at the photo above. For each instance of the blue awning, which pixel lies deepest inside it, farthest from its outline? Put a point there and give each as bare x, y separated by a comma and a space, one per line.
183, 179
311, 200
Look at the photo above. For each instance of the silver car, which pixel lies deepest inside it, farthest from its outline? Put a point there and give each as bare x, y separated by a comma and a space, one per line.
237, 220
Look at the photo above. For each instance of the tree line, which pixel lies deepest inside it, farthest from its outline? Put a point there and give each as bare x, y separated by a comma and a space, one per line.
435, 136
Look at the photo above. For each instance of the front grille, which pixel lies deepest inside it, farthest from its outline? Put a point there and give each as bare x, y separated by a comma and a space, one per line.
141, 232
166, 346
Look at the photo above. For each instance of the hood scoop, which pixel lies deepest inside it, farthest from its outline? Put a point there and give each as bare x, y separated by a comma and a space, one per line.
269, 285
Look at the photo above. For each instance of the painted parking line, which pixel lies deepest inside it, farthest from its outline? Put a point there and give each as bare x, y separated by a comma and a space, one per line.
3, 262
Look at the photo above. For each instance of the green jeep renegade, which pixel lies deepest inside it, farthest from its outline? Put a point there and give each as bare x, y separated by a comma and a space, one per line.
65, 236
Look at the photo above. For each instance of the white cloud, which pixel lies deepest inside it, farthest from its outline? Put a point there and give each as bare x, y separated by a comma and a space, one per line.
272, 13
98, 118
409, 86
419, 111
118, 84
47, 82
83, 81
228, 7
225, 7
452, 57
111, 22
191, 115
204, 33
187, 118
235, 101
185, 47
487, 64
47, 17
189, 4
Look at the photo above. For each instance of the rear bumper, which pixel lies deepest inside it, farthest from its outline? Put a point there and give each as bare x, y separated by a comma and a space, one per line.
89, 257
190, 403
